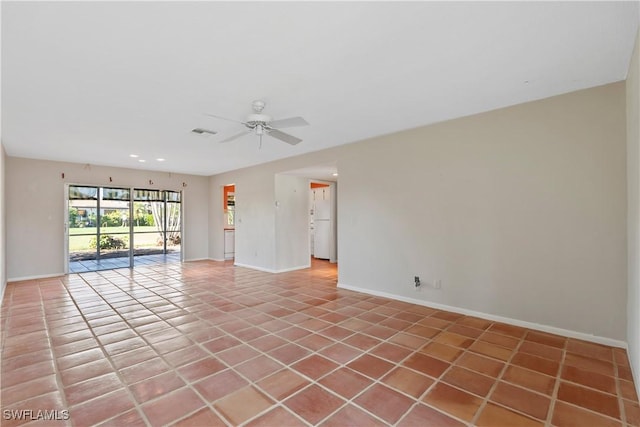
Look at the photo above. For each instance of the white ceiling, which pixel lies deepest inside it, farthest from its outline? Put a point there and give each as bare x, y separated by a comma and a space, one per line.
317, 173
93, 82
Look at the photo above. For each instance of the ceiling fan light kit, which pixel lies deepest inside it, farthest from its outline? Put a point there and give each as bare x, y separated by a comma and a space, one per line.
262, 124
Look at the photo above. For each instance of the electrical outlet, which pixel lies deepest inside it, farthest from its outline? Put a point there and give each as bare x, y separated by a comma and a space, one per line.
416, 281
437, 284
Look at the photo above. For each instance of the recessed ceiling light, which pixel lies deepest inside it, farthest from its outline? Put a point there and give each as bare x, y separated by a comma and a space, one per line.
133, 155
160, 160
142, 160
335, 174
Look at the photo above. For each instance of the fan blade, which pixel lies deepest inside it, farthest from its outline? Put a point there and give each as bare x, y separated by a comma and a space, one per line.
236, 136
290, 122
224, 118
289, 139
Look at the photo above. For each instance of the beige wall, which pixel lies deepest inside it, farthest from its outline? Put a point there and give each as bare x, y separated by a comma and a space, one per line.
520, 212
35, 210
633, 217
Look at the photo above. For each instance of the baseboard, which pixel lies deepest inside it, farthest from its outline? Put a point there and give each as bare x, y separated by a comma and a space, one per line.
530, 325
42, 276
253, 267
195, 259
270, 270
285, 270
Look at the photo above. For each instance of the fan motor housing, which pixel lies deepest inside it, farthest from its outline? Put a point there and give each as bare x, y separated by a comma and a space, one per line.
258, 118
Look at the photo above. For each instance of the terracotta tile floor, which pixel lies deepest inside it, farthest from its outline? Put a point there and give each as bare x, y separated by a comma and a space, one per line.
207, 343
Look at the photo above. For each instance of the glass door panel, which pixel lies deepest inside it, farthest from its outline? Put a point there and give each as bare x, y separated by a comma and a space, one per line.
148, 225
174, 221
114, 233
82, 225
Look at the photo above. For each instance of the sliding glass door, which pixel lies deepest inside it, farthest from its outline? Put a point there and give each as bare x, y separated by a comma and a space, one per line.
109, 226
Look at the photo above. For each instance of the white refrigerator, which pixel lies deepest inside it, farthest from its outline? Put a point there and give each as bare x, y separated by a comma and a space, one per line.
321, 229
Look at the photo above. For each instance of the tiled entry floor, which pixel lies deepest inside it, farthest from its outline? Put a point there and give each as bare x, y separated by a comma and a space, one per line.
206, 344
122, 262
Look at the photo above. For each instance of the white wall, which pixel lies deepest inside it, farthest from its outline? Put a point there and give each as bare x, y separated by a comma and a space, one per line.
292, 222
256, 212
216, 222
633, 217
3, 244
3, 229
255, 221
35, 210
521, 212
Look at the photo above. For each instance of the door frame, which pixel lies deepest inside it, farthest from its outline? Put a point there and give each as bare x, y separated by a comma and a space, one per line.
66, 227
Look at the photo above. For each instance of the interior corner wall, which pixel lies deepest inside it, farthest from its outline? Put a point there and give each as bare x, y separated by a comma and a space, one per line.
292, 222
3, 239
519, 212
633, 212
35, 210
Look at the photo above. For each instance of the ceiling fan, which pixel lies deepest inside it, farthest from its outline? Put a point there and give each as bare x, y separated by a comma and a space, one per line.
262, 124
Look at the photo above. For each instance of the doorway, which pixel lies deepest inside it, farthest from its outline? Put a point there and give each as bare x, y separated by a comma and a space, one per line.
317, 178
108, 226
323, 220
229, 209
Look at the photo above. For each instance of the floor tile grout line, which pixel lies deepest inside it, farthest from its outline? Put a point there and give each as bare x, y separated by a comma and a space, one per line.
55, 362
316, 382
250, 382
485, 401
451, 364
311, 380
418, 399
117, 372
49, 349
556, 386
139, 406
348, 401
271, 408
496, 379
229, 367
621, 408
584, 408
188, 384
314, 311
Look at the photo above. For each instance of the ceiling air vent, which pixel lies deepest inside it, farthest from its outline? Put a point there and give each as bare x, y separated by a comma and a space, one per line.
200, 131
